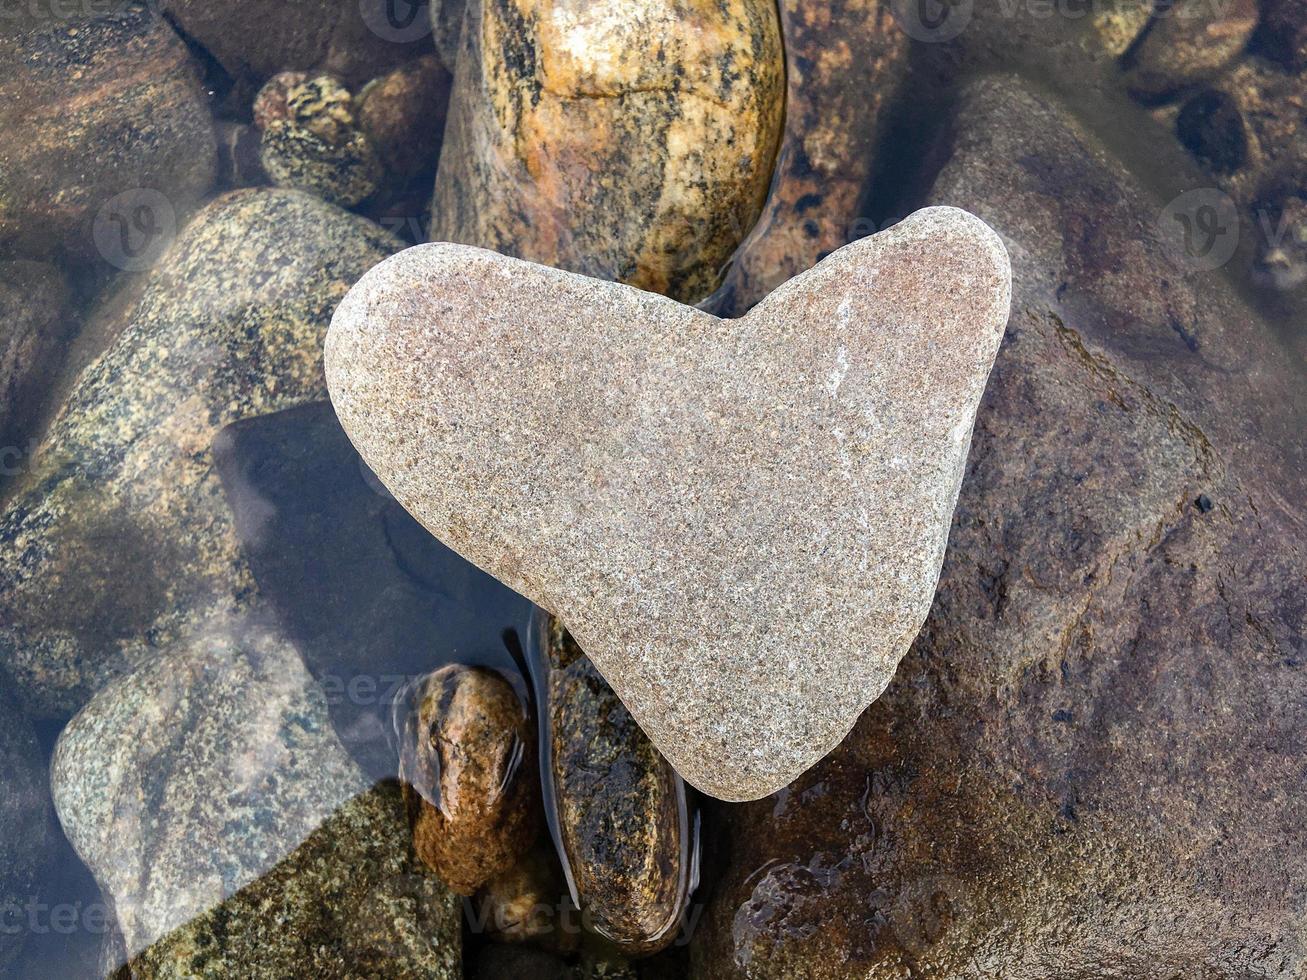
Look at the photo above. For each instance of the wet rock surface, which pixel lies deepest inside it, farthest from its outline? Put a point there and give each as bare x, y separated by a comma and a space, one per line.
254, 40
117, 539
624, 141
348, 903
529, 902
677, 488
310, 139
1189, 41
26, 828
230, 829
92, 107
620, 812
845, 62
403, 115
184, 781
1084, 767
371, 600
469, 775
35, 320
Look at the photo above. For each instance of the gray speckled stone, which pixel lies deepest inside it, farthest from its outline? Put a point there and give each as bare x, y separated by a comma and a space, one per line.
740, 521
207, 789
117, 540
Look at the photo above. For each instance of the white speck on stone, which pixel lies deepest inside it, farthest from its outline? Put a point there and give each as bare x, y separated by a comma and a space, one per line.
841, 363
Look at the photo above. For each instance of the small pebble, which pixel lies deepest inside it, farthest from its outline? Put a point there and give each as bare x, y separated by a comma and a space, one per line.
311, 141
468, 766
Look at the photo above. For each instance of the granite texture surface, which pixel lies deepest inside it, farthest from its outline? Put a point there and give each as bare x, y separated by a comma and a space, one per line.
740, 521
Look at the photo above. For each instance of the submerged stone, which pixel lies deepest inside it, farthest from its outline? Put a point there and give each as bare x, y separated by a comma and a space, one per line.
1088, 764
229, 828
469, 774
620, 813
93, 106
116, 539
311, 140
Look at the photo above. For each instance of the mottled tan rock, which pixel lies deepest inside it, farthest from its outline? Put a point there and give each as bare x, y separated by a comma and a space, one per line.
117, 538
627, 141
620, 811
1117, 23
403, 115
468, 765
311, 140
740, 521
90, 107
846, 60
1088, 766
1187, 42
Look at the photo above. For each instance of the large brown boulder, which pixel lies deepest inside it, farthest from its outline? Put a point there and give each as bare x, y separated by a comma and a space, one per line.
1090, 764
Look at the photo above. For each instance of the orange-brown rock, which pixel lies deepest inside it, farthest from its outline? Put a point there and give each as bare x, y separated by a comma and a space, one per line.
403, 114
469, 774
623, 140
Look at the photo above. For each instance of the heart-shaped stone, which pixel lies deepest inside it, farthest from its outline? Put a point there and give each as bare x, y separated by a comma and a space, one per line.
741, 521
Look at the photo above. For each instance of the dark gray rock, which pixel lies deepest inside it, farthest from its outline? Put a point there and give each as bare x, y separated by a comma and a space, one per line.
26, 831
